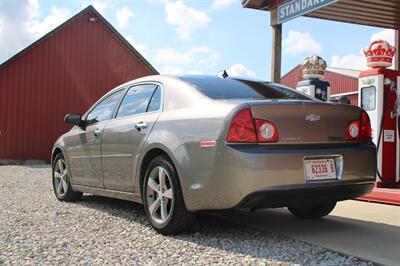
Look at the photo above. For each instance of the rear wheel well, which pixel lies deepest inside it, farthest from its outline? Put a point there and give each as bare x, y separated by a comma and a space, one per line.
55, 153
150, 155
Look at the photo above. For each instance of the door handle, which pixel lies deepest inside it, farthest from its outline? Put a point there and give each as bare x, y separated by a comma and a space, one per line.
141, 125
97, 132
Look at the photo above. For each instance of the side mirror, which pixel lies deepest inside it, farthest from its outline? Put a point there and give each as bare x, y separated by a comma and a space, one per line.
74, 119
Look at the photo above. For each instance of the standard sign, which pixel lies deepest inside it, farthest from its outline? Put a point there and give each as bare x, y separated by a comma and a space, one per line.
296, 8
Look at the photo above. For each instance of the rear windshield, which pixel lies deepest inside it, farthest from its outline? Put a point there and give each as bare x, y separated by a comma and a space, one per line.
228, 88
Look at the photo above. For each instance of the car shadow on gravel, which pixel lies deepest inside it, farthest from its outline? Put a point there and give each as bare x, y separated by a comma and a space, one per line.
212, 231
130, 211
119, 208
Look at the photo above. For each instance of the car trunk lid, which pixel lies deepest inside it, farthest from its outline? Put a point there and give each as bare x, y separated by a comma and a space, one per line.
300, 122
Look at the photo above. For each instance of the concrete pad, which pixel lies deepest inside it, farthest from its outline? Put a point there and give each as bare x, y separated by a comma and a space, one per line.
366, 230
368, 211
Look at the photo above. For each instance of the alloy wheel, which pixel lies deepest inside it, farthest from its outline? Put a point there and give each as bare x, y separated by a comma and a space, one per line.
60, 178
159, 196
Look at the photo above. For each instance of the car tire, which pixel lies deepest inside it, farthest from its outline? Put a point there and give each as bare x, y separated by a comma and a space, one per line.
163, 200
312, 211
61, 181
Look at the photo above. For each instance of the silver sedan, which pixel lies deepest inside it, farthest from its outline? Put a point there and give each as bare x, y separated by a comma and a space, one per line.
183, 144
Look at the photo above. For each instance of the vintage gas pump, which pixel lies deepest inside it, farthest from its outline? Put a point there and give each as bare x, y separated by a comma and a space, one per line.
313, 70
379, 96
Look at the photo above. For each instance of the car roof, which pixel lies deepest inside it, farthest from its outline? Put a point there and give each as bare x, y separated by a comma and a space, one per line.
185, 78
215, 78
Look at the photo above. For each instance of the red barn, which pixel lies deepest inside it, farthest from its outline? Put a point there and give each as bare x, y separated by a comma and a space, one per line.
65, 71
344, 82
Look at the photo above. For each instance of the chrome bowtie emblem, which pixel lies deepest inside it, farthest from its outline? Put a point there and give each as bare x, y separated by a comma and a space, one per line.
312, 117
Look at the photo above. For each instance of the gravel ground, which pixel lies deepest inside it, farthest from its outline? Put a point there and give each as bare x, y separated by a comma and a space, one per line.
35, 228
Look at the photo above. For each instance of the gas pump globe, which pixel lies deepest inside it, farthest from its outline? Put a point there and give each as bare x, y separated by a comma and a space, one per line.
313, 70
379, 96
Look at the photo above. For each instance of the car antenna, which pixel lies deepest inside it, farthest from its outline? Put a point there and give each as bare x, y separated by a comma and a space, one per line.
222, 74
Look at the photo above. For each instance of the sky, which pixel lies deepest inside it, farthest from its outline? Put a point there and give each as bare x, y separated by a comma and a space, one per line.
196, 36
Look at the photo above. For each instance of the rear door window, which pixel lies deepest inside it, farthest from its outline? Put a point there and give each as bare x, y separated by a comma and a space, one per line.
155, 102
136, 100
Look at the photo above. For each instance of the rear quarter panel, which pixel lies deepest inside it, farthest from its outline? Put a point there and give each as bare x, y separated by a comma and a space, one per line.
179, 133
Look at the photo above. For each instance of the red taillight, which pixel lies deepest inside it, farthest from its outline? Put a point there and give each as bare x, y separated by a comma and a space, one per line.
245, 129
359, 129
242, 128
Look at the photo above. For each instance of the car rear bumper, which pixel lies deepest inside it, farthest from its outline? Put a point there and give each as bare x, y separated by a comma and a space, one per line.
229, 176
303, 195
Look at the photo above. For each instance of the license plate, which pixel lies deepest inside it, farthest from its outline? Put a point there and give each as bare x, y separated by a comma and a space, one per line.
320, 169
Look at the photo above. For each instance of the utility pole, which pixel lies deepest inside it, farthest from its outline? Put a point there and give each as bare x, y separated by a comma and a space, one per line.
276, 47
